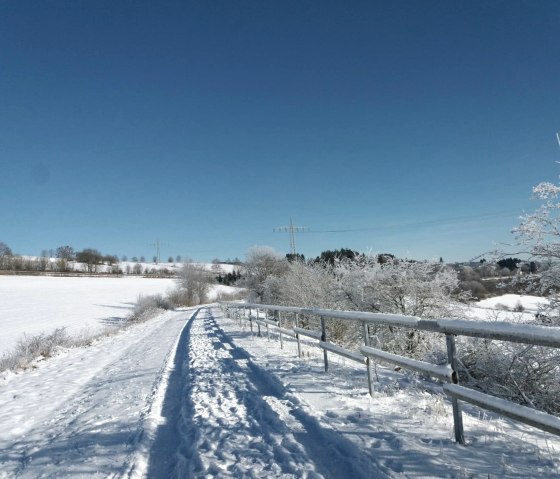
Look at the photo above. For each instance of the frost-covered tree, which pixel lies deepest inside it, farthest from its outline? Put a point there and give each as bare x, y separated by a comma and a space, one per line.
310, 286
424, 289
193, 284
539, 236
525, 374
413, 288
314, 285
262, 263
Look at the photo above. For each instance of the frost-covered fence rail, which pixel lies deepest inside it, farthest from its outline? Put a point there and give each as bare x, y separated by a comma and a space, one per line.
271, 316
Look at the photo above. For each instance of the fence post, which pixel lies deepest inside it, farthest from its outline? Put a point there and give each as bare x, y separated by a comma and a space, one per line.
258, 325
280, 332
457, 415
267, 329
297, 337
368, 359
250, 321
324, 339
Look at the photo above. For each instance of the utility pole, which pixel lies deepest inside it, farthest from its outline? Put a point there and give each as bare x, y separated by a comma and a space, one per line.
292, 230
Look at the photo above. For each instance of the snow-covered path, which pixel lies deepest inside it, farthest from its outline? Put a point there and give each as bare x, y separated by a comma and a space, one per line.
81, 413
239, 421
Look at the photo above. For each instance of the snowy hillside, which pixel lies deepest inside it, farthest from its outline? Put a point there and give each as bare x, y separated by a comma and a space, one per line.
128, 267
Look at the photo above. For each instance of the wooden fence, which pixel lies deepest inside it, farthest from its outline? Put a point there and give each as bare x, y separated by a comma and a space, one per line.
503, 331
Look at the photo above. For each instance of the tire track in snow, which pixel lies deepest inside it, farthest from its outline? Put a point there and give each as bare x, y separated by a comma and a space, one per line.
239, 421
94, 433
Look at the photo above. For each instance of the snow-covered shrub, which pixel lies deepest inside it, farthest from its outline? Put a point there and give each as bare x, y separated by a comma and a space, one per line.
525, 374
519, 308
42, 346
147, 306
31, 348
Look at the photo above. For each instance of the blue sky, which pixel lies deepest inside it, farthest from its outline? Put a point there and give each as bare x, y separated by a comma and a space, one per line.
416, 128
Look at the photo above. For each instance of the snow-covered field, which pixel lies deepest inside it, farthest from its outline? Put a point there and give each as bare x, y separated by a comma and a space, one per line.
508, 307
40, 304
36, 304
528, 303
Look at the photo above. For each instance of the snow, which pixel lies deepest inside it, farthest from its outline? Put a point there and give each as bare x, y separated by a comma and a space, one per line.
194, 394
36, 304
80, 414
217, 290
511, 301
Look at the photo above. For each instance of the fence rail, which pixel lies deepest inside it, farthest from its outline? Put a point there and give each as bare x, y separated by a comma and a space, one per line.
502, 331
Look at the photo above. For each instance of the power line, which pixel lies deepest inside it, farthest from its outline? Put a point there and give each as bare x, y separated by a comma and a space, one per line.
439, 221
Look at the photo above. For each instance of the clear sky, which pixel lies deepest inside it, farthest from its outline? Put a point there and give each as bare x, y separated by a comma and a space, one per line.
411, 127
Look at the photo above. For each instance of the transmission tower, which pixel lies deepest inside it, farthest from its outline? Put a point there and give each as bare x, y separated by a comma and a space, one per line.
157, 245
292, 230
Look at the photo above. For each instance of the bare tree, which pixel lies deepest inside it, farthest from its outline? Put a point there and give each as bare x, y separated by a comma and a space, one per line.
5, 256
90, 259
64, 255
